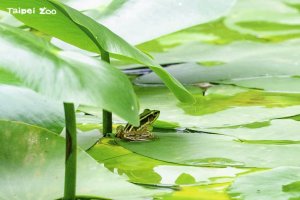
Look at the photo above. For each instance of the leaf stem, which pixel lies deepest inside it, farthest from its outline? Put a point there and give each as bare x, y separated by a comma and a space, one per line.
106, 115
71, 152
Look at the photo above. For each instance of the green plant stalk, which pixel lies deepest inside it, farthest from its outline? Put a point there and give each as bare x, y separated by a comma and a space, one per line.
71, 152
106, 115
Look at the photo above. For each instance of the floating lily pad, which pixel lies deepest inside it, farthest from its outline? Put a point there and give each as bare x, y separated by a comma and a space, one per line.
214, 150
211, 192
32, 167
265, 18
215, 32
239, 24
277, 184
241, 59
278, 131
221, 107
144, 170
271, 84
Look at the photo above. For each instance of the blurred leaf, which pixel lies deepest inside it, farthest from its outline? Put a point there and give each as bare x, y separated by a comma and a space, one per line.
66, 76
6, 18
37, 156
215, 32
265, 19
87, 4
268, 21
157, 18
21, 104
77, 29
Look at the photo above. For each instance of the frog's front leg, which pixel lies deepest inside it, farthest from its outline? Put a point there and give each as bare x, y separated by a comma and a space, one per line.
120, 132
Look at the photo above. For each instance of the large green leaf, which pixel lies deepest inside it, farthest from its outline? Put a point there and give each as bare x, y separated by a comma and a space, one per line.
75, 28
156, 18
67, 76
32, 167
24, 105
202, 149
6, 18
221, 106
277, 184
21, 104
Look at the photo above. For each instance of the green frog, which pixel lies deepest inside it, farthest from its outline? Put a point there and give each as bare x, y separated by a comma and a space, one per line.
142, 132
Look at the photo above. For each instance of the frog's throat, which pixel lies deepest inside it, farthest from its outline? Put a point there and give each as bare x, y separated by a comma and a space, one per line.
120, 129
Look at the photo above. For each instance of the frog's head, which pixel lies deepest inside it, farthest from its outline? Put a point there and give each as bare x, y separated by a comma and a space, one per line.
148, 117
155, 114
